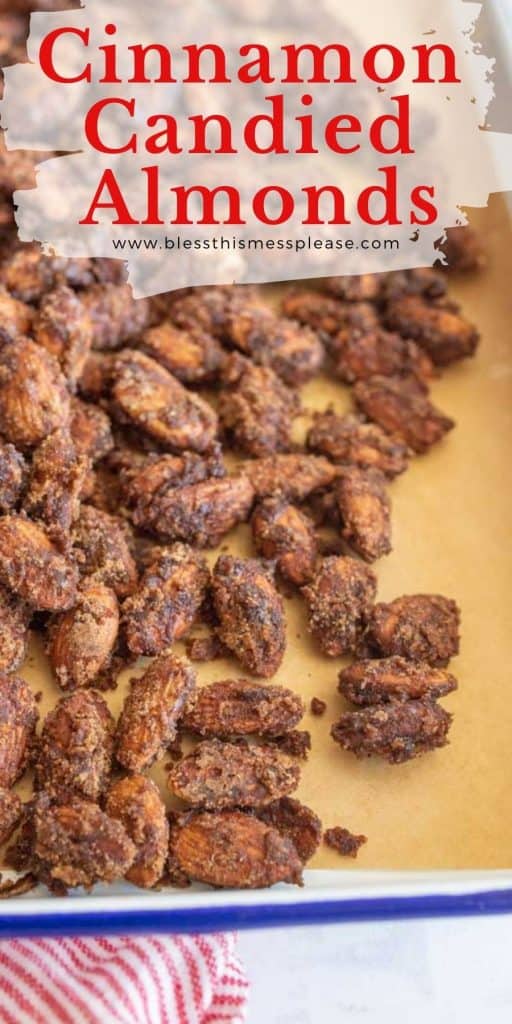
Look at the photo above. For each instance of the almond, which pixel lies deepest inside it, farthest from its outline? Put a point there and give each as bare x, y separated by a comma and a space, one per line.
32, 567
238, 707
219, 775
83, 640
152, 710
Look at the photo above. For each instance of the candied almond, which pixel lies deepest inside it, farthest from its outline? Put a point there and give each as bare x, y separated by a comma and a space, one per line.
63, 327
220, 775
321, 312
293, 351
400, 406
358, 355
291, 476
33, 396
200, 513
76, 843
102, 551
74, 752
135, 801
167, 600
284, 533
115, 315
444, 335
144, 480
365, 511
396, 732
90, 429
55, 485
350, 440
33, 568
295, 821
256, 410
152, 710
343, 841
15, 317
424, 281
393, 679
191, 355
421, 627
83, 639
355, 287
339, 600
230, 849
18, 719
238, 707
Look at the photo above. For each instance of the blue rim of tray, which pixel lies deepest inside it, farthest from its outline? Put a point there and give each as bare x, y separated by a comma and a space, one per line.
266, 915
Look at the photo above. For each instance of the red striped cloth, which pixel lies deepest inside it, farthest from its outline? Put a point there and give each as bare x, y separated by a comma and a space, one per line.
178, 979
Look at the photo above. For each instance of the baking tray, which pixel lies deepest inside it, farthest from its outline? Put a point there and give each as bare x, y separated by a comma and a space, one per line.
439, 828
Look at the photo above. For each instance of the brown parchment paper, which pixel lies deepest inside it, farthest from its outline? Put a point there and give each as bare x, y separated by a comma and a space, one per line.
452, 512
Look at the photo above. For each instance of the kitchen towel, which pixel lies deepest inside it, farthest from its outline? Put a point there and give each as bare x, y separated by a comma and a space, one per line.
153, 979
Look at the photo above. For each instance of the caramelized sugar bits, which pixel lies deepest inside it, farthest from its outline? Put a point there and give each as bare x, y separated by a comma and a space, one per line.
400, 406
83, 640
296, 743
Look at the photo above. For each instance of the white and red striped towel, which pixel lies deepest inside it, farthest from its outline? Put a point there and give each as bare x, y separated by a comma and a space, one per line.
177, 979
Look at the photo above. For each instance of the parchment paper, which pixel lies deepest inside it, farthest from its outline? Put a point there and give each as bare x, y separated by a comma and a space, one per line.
451, 534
